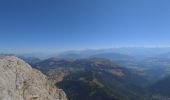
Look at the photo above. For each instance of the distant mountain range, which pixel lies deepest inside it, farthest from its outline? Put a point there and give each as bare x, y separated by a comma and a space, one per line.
138, 52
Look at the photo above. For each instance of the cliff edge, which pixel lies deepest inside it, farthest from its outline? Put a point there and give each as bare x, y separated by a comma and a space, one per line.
19, 81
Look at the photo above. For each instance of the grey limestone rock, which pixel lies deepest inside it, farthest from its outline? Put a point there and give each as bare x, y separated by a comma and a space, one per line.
19, 81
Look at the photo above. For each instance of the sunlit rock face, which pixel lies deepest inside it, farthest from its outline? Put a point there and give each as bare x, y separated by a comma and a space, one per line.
18, 81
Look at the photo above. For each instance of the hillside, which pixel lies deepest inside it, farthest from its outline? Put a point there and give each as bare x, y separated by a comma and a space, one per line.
161, 87
93, 78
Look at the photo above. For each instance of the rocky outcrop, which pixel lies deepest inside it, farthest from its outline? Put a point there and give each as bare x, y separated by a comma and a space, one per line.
18, 81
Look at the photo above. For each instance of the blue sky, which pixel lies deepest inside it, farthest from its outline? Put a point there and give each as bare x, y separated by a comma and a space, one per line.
51, 25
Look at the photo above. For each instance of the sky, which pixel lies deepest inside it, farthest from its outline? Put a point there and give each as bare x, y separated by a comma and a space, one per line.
56, 25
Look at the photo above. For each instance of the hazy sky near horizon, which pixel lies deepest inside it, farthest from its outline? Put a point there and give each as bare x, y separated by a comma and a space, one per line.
44, 25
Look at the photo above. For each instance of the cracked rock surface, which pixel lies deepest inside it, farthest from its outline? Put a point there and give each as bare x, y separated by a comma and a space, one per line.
19, 81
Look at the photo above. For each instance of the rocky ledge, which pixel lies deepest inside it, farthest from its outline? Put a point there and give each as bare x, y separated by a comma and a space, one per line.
19, 81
